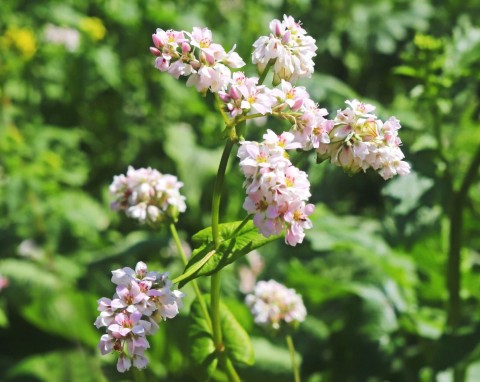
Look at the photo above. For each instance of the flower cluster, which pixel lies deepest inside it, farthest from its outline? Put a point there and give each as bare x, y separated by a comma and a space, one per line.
245, 97
148, 196
195, 55
274, 305
141, 300
359, 140
288, 47
276, 189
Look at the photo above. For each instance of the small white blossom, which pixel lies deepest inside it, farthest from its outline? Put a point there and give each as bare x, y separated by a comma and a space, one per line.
148, 196
289, 47
359, 141
273, 305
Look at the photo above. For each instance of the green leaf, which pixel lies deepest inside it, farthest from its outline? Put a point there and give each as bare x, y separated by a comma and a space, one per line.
202, 351
237, 342
238, 347
233, 245
68, 313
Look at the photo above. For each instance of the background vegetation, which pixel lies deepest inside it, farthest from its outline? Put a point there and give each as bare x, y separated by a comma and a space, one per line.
390, 272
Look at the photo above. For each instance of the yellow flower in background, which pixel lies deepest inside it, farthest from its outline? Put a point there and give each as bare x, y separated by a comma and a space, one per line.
22, 39
94, 27
427, 42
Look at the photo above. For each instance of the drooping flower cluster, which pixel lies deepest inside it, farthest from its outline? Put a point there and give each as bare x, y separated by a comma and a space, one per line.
288, 47
195, 55
141, 300
359, 140
148, 196
276, 189
274, 306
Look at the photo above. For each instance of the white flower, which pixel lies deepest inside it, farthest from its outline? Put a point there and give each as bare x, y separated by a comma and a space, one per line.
147, 195
273, 305
289, 47
359, 141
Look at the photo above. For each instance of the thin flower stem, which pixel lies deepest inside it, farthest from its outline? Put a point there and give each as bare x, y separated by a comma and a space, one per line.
241, 225
216, 277
217, 192
265, 72
215, 311
194, 284
231, 372
221, 110
291, 348
454, 310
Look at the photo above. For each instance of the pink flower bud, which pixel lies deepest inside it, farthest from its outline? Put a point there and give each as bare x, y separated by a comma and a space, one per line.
157, 41
278, 27
286, 37
155, 51
186, 47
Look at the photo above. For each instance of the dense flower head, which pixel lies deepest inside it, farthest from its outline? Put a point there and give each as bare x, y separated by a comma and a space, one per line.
276, 189
288, 47
195, 55
359, 140
147, 195
274, 306
245, 97
141, 300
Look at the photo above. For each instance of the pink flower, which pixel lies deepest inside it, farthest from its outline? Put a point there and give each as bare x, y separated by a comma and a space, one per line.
140, 297
297, 220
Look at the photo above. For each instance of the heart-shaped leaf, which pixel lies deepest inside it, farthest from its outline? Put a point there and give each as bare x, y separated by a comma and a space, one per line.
236, 240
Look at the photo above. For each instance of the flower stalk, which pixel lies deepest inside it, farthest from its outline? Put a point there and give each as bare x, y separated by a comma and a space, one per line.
194, 283
291, 348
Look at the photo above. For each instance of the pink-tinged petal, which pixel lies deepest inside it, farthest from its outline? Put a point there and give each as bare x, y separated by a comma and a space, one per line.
309, 208
104, 304
140, 361
140, 269
106, 344
118, 304
123, 363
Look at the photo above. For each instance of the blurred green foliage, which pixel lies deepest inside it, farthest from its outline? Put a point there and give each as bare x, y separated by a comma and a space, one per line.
80, 101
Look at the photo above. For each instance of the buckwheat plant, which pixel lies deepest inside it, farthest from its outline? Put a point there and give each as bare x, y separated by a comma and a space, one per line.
277, 192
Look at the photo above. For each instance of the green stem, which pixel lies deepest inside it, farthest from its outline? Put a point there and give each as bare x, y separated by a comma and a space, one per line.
216, 278
291, 348
265, 72
217, 192
215, 312
455, 243
454, 312
231, 372
194, 284
220, 107
240, 226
